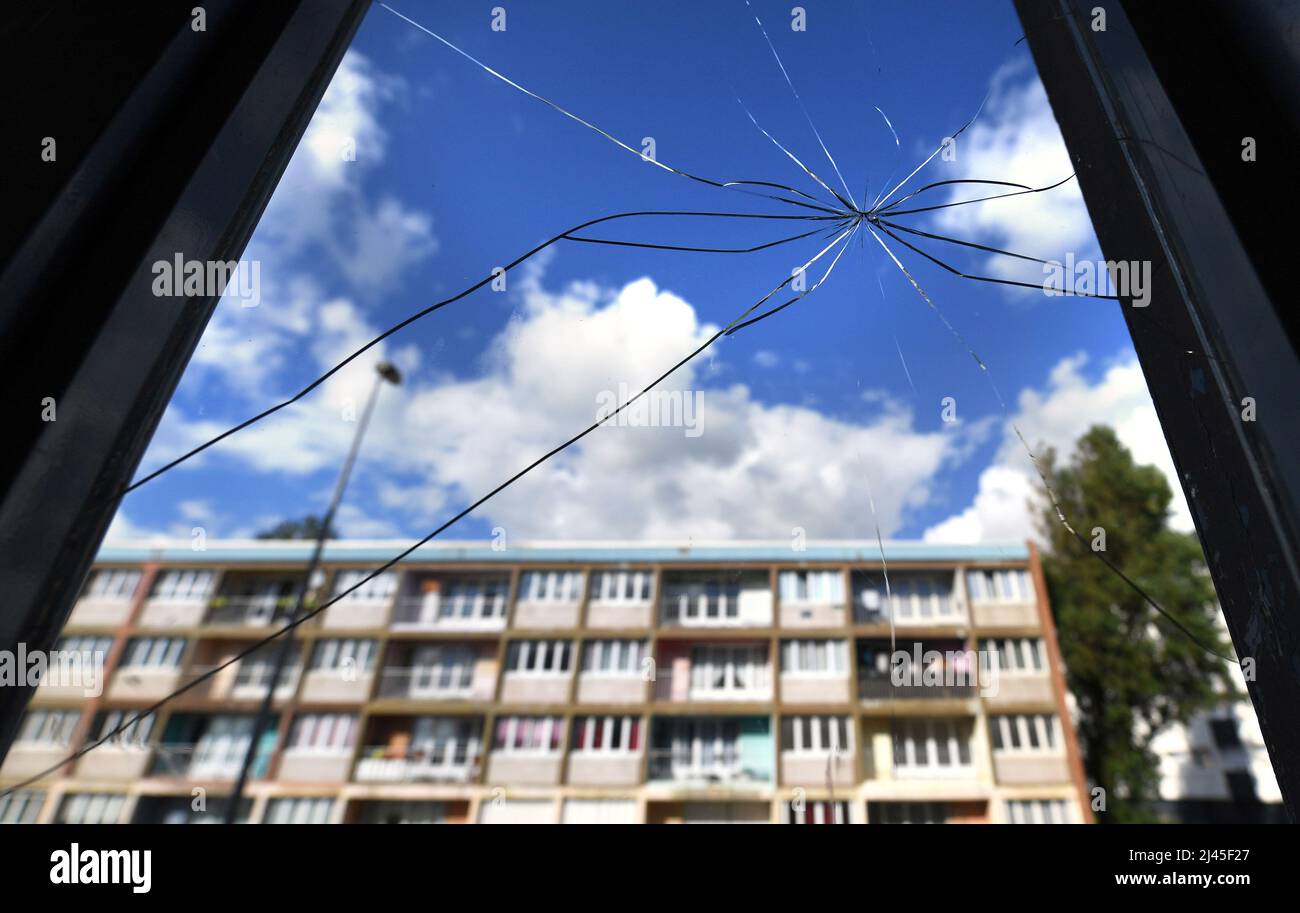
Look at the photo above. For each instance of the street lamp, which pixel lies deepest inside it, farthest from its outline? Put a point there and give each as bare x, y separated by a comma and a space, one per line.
384, 371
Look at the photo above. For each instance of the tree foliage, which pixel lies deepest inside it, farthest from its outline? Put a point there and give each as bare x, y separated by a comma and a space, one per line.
1132, 673
306, 528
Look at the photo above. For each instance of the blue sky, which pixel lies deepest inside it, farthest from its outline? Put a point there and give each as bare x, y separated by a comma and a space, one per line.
806, 418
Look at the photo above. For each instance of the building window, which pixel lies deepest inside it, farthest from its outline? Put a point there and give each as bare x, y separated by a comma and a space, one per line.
134, 735
539, 657
721, 671
85, 646
528, 734
115, 584
220, 749
816, 735
816, 812
702, 603
335, 654
811, 587
550, 586
697, 749
1023, 733
299, 810
449, 742
21, 806
326, 733
1000, 586
621, 586
1225, 734
814, 658
185, 585
907, 813
1037, 811
91, 808
607, 734
442, 670
1015, 654
153, 653
473, 599
380, 587
613, 657
911, 598
48, 728
932, 747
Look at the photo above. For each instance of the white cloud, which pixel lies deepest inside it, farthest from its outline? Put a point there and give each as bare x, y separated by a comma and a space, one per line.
754, 470
1016, 139
319, 202
1056, 417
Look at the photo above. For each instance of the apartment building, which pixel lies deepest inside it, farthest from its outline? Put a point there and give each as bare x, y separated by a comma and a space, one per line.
563, 682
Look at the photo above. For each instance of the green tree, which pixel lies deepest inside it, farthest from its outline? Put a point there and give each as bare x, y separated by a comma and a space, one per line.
306, 528
1130, 670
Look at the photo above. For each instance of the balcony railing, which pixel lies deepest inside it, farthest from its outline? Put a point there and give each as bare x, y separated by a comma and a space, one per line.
740, 684
250, 611
444, 683
470, 613
701, 767
873, 688
379, 765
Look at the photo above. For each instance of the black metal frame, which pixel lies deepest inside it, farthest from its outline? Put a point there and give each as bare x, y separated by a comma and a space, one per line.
168, 140
1154, 110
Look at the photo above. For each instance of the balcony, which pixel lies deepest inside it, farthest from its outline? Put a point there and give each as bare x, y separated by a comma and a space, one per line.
716, 600
439, 672
732, 673
456, 602
912, 600
250, 611
379, 765
421, 750
929, 672
210, 747
882, 689
707, 751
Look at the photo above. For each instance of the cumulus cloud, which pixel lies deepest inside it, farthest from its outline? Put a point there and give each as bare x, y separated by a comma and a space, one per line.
732, 466
320, 205
1017, 139
1056, 417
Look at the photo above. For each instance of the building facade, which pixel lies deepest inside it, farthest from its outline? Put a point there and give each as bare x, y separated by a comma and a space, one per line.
561, 682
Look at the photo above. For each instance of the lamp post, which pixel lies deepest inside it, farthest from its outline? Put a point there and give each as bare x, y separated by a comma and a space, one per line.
384, 372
